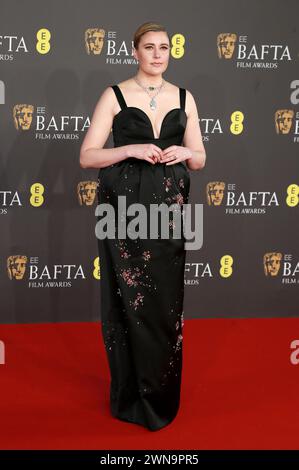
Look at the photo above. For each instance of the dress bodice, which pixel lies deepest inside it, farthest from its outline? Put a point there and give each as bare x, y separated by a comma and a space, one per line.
133, 126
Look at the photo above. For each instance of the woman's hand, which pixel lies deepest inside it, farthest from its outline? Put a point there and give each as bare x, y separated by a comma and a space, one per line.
175, 154
149, 152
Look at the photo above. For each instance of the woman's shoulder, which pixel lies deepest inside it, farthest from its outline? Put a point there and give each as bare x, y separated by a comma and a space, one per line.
174, 88
125, 84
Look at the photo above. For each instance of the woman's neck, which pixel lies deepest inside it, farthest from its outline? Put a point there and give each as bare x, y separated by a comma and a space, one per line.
149, 80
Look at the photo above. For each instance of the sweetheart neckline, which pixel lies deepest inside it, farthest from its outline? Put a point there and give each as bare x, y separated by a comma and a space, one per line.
150, 122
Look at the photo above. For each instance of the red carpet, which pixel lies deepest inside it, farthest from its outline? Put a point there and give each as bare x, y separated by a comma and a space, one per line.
239, 389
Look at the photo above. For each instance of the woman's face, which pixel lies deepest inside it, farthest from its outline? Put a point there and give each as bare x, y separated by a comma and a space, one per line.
153, 52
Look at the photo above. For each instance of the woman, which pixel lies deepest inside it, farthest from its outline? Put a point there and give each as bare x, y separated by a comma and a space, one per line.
155, 129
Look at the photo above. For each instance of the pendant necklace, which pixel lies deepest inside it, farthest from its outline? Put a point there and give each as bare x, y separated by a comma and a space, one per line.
153, 103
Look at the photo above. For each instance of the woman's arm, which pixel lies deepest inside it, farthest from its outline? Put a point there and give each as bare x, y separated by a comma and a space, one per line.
193, 137
92, 153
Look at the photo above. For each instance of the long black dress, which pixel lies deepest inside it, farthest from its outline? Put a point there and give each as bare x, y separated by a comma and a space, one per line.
142, 280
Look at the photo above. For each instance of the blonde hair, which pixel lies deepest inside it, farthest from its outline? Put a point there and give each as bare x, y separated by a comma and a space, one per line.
145, 28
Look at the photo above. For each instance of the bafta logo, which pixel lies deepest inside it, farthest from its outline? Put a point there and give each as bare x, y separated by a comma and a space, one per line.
22, 115
94, 39
283, 120
86, 191
272, 263
16, 265
226, 45
215, 192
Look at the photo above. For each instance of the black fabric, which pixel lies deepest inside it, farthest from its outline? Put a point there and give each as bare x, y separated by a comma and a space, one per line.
142, 280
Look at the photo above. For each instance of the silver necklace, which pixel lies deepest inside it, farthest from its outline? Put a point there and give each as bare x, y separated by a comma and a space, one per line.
153, 103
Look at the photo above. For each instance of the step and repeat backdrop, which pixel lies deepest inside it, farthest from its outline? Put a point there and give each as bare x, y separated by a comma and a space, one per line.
241, 63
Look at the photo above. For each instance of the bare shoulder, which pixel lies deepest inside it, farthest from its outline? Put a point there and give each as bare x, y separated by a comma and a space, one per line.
190, 105
107, 101
126, 84
106, 96
171, 88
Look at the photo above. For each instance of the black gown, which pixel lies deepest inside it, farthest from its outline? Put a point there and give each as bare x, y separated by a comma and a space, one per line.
142, 280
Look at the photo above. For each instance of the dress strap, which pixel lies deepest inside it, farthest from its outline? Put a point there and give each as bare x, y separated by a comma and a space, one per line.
182, 98
119, 96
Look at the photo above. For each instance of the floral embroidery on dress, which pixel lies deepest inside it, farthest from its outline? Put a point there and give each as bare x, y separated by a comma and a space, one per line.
179, 198
167, 183
134, 276
146, 255
124, 252
175, 356
137, 301
130, 276
176, 198
181, 183
178, 343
